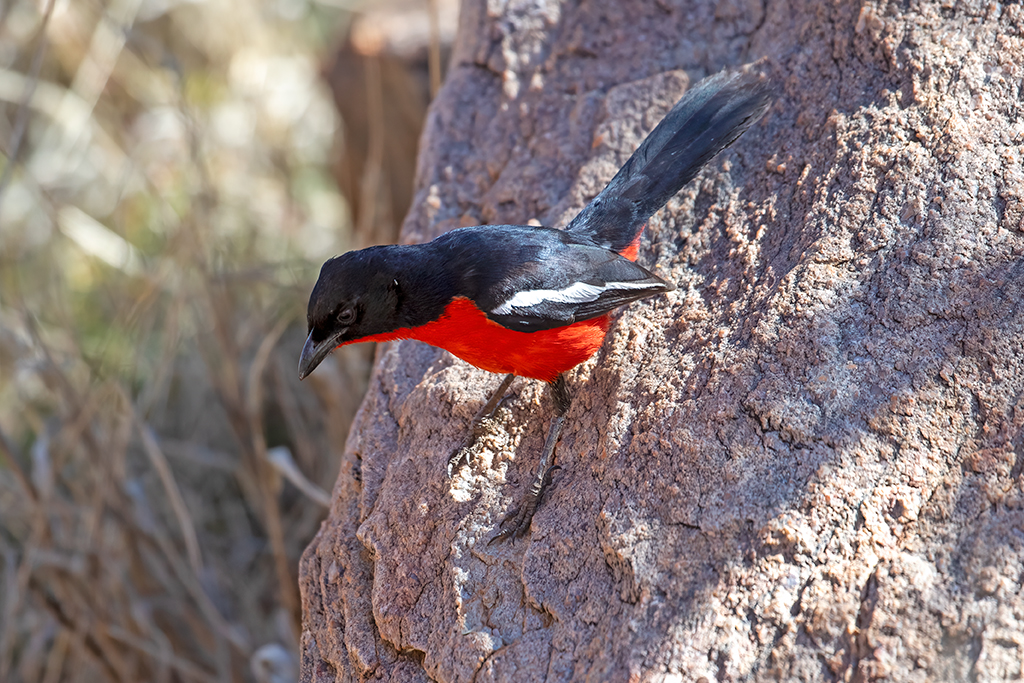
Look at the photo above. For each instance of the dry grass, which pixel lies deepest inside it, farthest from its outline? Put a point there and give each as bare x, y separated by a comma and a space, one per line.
164, 205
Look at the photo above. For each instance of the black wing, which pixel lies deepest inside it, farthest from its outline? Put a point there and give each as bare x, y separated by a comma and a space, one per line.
530, 279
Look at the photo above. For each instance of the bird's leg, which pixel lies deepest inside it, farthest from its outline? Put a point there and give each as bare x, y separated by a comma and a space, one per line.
459, 456
518, 520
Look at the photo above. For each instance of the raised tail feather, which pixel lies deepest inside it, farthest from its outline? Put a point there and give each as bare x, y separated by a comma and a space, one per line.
708, 118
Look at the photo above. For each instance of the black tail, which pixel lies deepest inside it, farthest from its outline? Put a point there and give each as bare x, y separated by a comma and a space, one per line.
708, 118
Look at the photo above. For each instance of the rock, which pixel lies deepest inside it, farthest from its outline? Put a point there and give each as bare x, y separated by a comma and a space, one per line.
802, 465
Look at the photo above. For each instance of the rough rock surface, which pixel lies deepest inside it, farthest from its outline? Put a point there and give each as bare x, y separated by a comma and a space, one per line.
802, 465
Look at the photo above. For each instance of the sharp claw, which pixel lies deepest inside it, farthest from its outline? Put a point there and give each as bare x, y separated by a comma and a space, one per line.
513, 514
519, 518
454, 462
457, 460
506, 533
461, 455
519, 523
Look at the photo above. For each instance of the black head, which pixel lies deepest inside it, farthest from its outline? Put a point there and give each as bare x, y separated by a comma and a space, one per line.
357, 295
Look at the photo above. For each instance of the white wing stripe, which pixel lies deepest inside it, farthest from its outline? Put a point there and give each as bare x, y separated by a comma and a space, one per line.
576, 293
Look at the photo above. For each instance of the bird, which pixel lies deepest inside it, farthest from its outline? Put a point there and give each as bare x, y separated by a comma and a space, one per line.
531, 301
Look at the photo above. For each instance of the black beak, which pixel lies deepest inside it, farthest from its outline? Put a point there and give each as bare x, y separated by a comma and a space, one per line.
313, 354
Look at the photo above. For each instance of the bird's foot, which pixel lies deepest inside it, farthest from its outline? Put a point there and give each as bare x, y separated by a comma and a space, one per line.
480, 424
460, 456
517, 522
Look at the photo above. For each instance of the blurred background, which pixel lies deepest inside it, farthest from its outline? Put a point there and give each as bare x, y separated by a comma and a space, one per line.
172, 175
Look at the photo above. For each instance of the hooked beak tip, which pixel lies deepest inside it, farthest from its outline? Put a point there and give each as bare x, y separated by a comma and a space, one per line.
311, 357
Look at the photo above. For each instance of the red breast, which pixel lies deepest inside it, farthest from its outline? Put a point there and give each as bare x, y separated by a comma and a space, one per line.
464, 330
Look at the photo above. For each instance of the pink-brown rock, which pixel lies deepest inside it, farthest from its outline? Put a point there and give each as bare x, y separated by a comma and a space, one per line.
804, 464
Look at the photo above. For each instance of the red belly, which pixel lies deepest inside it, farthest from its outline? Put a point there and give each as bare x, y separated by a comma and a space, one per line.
466, 331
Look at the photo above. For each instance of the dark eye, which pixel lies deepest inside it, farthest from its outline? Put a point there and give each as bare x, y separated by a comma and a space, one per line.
346, 316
